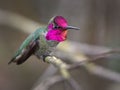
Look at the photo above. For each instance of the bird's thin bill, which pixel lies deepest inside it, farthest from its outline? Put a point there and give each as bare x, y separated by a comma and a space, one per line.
72, 27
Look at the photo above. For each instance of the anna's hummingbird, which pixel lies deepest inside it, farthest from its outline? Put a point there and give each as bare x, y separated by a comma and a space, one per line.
42, 42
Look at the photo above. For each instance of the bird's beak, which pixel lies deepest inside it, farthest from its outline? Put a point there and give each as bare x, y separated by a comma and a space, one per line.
72, 27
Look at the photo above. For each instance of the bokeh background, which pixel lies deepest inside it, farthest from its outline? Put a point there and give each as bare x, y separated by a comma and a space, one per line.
99, 21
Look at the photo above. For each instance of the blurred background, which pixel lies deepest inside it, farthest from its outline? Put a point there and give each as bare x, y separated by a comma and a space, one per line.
99, 21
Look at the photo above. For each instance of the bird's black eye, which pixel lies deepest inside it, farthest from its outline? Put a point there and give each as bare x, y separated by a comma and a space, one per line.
56, 27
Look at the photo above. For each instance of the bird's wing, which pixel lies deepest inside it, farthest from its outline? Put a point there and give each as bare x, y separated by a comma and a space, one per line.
27, 48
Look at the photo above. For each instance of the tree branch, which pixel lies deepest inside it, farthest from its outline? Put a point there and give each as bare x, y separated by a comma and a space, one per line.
46, 83
49, 81
62, 66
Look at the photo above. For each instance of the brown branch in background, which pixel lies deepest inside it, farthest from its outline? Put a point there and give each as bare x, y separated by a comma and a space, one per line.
49, 81
50, 71
98, 70
106, 54
103, 72
94, 58
74, 84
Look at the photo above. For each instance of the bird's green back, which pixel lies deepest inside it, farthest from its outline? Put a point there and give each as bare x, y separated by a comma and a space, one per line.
33, 36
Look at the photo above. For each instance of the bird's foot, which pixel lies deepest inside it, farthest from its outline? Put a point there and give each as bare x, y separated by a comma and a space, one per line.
44, 57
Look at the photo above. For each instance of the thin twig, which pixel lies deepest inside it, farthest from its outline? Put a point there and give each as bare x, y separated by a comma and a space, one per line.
49, 72
46, 83
103, 72
106, 54
74, 84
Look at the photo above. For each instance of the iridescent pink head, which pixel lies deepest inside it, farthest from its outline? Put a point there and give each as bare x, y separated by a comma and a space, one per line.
57, 29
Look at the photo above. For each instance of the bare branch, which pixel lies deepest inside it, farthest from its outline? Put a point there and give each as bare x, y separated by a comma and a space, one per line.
74, 84
98, 70
62, 66
49, 81
46, 83
103, 72
49, 72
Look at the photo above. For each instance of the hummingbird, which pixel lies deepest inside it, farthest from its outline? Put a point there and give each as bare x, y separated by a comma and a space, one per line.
43, 41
